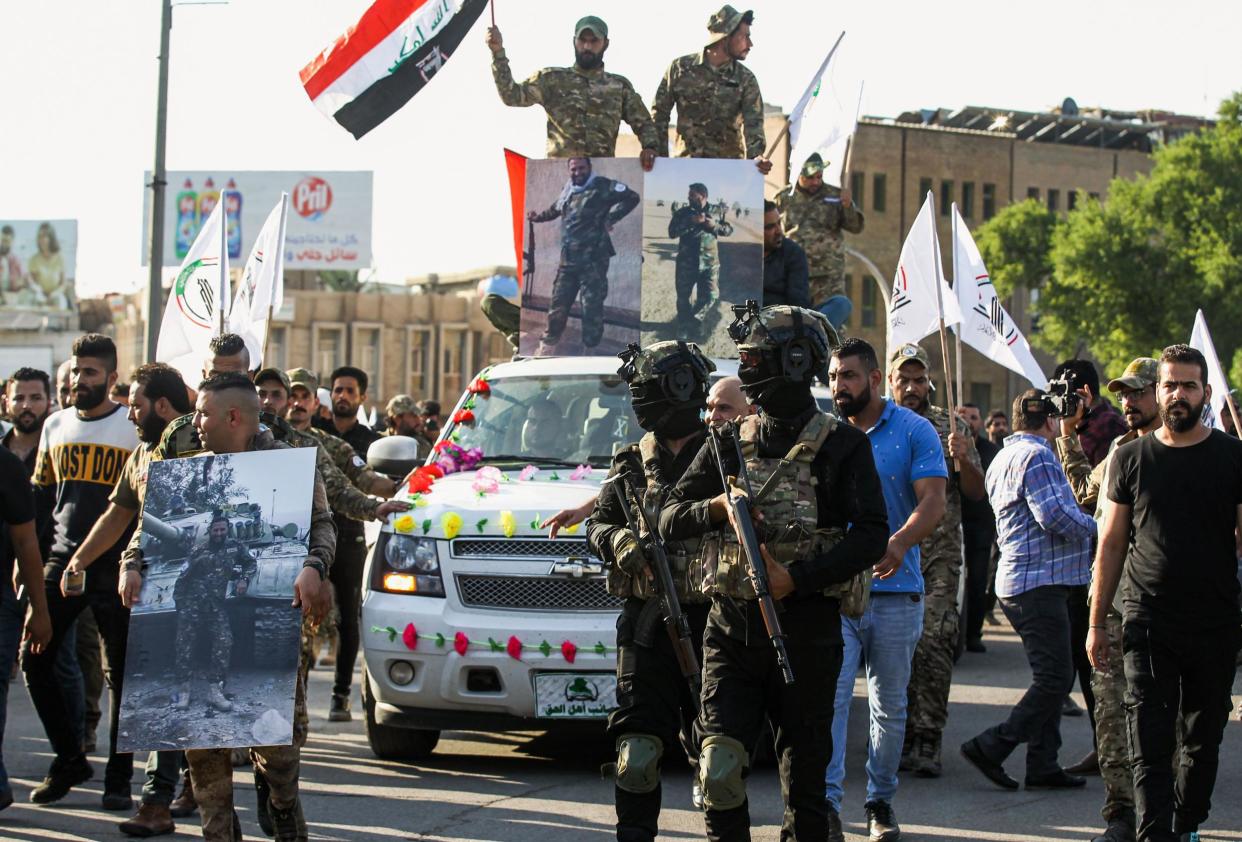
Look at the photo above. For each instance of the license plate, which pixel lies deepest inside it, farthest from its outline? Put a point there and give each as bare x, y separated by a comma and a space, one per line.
570, 695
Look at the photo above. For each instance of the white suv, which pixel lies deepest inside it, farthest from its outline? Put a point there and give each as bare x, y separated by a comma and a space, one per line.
472, 618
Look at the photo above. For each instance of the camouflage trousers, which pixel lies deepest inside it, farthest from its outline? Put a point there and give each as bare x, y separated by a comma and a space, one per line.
825, 286
931, 671
697, 281
504, 315
1110, 729
588, 278
211, 769
196, 618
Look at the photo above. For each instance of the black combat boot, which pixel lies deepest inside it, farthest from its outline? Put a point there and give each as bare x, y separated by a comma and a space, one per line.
288, 823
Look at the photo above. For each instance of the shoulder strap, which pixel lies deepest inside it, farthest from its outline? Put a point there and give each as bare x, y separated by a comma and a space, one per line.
748, 436
804, 450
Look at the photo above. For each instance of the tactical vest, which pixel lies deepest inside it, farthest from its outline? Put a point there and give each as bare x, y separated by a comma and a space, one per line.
684, 557
785, 490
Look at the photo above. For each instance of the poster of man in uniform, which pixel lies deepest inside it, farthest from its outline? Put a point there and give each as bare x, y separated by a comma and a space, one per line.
213, 645
702, 248
37, 264
582, 256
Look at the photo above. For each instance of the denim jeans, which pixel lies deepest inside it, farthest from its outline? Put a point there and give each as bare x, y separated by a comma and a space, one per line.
837, 309
72, 682
11, 621
883, 641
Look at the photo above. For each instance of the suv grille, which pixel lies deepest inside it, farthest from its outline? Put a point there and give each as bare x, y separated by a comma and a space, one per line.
535, 593
510, 548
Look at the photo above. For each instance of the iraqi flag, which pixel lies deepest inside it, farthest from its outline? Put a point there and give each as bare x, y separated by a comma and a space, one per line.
380, 62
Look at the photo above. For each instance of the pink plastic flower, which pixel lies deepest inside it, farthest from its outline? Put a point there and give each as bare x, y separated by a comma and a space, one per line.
581, 472
527, 472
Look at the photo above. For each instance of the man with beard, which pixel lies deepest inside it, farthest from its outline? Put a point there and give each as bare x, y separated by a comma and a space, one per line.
82, 454
157, 397
998, 426
1136, 389
588, 207
28, 393
668, 383
698, 261
819, 496
584, 104
784, 264
911, 465
931, 672
1045, 547
349, 391
817, 217
64, 385
1169, 535
719, 107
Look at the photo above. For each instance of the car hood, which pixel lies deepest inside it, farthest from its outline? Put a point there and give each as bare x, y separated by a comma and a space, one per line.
507, 503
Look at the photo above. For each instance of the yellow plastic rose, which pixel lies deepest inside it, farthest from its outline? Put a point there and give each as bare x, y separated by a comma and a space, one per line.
405, 523
508, 523
451, 522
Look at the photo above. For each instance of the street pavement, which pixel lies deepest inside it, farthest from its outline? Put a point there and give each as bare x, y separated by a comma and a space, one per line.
532, 787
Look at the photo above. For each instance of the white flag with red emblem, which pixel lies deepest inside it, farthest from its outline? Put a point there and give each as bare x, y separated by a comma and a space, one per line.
198, 300
985, 325
919, 290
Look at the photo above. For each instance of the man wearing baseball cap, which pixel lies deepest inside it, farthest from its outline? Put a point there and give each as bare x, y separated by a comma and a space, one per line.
719, 107
584, 104
816, 216
1136, 389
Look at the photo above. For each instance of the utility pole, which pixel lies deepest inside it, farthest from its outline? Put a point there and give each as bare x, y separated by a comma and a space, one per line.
155, 252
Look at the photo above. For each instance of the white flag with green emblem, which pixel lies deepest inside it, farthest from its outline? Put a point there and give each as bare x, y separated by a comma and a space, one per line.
197, 301
819, 121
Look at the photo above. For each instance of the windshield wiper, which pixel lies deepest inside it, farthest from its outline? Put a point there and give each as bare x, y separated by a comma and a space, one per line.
532, 460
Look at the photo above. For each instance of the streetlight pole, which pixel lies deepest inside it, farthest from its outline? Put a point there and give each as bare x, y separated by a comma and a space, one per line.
159, 176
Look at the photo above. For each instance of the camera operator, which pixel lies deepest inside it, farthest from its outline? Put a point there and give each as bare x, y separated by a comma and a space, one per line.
1100, 421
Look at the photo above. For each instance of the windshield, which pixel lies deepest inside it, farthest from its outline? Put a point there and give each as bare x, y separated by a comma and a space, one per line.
571, 420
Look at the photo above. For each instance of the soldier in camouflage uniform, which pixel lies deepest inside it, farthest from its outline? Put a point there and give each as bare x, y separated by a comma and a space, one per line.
584, 104
931, 670
200, 594
588, 207
815, 215
668, 382
719, 107
826, 524
698, 259
1138, 403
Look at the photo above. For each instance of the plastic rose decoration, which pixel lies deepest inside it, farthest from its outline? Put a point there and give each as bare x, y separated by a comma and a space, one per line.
514, 648
450, 522
487, 480
403, 524
461, 643
527, 472
463, 416
569, 651
410, 637
508, 523
581, 472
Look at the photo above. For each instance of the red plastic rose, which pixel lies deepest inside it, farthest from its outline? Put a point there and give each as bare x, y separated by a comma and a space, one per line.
514, 648
461, 643
569, 651
410, 637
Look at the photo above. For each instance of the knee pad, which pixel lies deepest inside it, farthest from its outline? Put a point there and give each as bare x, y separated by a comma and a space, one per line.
722, 772
638, 762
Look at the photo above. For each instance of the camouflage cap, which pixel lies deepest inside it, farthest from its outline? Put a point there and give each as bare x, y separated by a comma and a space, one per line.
640, 365
908, 353
592, 23
303, 377
771, 327
1139, 374
273, 374
814, 165
724, 22
400, 405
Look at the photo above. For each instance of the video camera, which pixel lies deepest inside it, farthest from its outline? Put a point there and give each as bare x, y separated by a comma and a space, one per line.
1060, 399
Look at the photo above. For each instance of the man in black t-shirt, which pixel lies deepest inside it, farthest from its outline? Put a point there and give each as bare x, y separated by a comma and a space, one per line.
1175, 503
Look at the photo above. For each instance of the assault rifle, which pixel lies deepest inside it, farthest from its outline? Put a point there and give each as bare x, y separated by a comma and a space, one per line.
528, 258
756, 569
674, 618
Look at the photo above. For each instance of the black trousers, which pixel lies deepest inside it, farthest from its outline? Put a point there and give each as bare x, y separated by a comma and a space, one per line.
1080, 622
346, 578
1177, 682
1041, 618
977, 540
653, 698
743, 686
47, 695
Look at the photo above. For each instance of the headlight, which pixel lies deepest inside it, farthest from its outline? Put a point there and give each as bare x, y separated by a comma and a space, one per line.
404, 552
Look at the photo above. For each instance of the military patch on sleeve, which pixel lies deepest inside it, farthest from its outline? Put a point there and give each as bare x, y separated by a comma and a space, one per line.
619, 187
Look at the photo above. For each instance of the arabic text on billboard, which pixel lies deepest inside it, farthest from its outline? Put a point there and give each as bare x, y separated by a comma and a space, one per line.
37, 263
329, 223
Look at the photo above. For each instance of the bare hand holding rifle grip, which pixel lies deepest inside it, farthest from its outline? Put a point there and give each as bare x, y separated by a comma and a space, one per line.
743, 523
674, 618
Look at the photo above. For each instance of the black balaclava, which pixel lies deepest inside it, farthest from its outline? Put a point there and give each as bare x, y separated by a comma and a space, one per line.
765, 384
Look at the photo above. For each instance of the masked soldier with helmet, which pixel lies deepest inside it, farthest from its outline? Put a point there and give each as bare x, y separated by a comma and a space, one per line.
821, 524
668, 383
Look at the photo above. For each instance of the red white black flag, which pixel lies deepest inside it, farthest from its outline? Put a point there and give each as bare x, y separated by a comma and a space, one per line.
380, 62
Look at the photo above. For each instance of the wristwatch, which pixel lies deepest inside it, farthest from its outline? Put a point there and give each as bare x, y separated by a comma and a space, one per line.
318, 566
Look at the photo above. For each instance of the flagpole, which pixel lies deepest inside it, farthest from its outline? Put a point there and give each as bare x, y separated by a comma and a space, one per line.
277, 274
944, 342
493, 8
849, 144
223, 291
818, 76
957, 279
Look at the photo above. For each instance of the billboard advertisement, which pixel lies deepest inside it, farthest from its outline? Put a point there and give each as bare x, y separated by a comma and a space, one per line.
329, 214
36, 264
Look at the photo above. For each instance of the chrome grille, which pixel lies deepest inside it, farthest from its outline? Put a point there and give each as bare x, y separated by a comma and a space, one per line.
535, 593
519, 548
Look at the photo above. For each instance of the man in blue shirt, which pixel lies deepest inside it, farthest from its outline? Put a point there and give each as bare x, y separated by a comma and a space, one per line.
913, 474
1045, 551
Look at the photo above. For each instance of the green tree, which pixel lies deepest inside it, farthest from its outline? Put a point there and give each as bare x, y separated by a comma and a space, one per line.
1128, 275
340, 280
1016, 246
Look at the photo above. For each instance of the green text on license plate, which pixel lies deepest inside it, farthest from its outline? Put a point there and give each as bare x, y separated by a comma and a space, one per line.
570, 695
